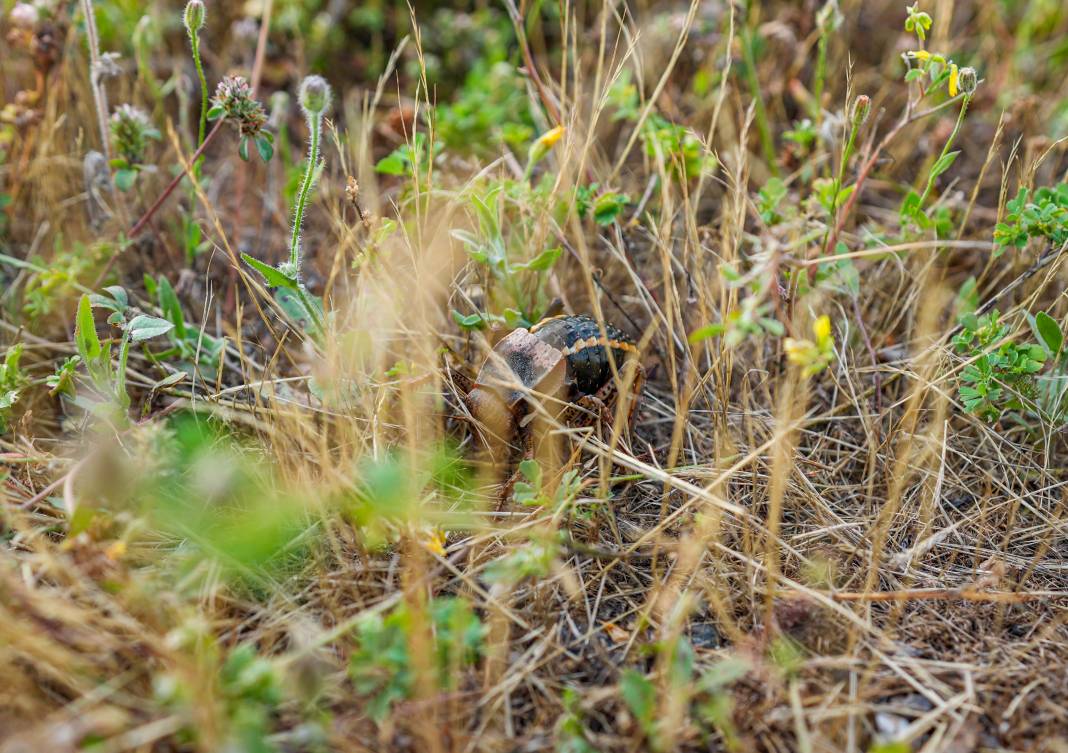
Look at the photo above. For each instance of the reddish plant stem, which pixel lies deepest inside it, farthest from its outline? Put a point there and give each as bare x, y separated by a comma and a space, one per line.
907, 118
861, 177
140, 225
230, 301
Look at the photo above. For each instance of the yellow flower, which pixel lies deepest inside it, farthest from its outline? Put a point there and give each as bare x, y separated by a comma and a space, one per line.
821, 328
549, 138
435, 542
795, 349
116, 550
812, 357
954, 78
921, 55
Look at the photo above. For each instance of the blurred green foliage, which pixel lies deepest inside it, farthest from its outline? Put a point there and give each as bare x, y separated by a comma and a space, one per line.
383, 668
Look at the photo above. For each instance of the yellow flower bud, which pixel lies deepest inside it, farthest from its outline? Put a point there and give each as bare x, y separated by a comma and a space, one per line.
542, 145
549, 138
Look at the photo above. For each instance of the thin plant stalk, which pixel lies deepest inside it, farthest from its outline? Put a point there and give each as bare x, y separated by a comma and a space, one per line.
837, 187
315, 124
761, 114
314, 100
821, 75
96, 80
194, 37
828, 19
945, 150
194, 18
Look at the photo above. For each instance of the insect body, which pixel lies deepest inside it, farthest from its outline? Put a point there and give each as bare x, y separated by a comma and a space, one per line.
585, 349
565, 358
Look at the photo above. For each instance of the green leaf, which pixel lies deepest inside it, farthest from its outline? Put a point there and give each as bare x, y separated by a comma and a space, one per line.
85, 336
514, 319
118, 292
215, 113
1049, 332
265, 148
970, 322
104, 302
124, 179
391, 165
273, 277
967, 297
145, 327
944, 163
290, 303
730, 274
608, 207
471, 321
640, 696
910, 206
543, 261
531, 472
705, 332
170, 381
242, 148
723, 673
172, 309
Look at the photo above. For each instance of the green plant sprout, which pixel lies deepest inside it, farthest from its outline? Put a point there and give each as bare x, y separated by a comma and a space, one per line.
131, 131
1001, 375
12, 381
107, 378
315, 96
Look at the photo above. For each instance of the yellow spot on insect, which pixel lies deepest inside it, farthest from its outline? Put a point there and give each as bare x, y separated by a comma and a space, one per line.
922, 55
954, 80
545, 321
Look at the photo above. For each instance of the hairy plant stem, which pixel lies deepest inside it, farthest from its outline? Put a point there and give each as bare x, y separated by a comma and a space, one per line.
315, 125
96, 80
194, 43
310, 307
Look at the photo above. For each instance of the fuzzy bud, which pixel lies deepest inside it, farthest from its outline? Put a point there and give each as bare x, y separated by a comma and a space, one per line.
314, 95
24, 16
861, 110
194, 16
968, 80
829, 17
